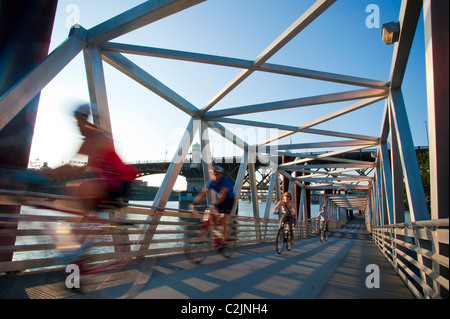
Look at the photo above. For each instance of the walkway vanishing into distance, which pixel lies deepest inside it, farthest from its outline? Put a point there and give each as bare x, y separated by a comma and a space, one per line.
336, 269
311, 270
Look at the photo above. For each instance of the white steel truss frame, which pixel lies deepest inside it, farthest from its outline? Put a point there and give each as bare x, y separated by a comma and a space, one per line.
382, 198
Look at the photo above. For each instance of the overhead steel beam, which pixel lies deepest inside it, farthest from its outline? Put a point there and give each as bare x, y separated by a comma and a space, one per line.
295, 129
227, 134
19, 95
339, 187
320, 145
340, 162
132, 70
323, 76
135, 18
408, 19
330, 116
301, 23
341, 134
331, 179
300, 102
335, 173
301, 168
242, 64
176, 55
324, 156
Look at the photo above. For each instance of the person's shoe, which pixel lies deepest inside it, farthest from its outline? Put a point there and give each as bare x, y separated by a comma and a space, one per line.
220, 248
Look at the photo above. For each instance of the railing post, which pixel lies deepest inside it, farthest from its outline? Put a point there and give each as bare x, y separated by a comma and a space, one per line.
24, 42
254, 194
436, 29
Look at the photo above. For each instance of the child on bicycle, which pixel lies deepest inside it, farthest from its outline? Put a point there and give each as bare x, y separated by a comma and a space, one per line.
290, 213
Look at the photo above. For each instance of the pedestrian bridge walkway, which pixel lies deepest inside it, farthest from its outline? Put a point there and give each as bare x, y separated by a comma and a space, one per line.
311, 270
404, 260
342, 267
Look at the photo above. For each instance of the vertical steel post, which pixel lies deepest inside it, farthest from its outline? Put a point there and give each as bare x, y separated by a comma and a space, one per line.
240, 182
164, 191
436, 27
414, 188
97, 88
397, 176
206, 159
25, 32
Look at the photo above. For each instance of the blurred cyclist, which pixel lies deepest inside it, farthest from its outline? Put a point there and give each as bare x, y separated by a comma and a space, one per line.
109, 177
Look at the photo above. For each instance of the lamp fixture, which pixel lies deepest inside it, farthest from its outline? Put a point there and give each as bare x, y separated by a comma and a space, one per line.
390, 32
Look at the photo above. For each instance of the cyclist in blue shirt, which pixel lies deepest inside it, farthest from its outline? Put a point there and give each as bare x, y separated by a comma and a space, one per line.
225, 198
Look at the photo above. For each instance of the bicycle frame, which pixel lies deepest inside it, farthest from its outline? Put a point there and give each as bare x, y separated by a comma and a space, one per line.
74, 245
283, 235
205, 238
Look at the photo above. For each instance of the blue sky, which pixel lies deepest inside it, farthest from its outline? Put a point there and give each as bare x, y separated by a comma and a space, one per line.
145, 127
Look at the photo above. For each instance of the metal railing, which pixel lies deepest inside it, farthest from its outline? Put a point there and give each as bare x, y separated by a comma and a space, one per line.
418, 251
35, 248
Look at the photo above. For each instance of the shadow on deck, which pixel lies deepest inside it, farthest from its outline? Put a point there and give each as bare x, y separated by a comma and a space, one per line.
311, 270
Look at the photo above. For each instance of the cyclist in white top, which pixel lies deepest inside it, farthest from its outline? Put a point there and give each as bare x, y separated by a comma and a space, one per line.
323, 215
290, 213
323, 218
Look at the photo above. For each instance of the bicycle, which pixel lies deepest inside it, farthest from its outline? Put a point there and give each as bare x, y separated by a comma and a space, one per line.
323, 231
207, 239
283, 236
82, 243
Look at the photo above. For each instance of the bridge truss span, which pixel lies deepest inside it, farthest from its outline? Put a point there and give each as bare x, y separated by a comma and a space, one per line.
346, 181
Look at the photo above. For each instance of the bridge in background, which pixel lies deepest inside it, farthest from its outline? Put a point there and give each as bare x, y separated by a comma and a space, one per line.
417, 250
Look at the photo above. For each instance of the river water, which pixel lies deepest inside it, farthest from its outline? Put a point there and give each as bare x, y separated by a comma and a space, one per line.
245, 209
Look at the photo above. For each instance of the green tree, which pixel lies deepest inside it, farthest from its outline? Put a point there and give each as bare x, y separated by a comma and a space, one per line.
423, 159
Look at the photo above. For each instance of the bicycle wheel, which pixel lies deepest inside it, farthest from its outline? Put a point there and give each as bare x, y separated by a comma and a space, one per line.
116, 280
279, 242
122, 275
287, 240
198, 249
108, 247
227, 250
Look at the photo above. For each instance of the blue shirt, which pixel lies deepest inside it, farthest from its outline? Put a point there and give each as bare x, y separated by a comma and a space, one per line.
224, 182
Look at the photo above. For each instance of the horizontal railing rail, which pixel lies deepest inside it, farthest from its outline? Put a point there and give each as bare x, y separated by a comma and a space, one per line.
35, 247
418, 251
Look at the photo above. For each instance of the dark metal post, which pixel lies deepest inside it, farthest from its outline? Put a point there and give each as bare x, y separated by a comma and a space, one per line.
25, 32
436, 26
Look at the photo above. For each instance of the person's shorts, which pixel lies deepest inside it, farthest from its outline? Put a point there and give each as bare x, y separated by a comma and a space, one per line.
226, 206
289, 219
118, 190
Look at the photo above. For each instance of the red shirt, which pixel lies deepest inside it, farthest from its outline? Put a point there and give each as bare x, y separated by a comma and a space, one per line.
103, 158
